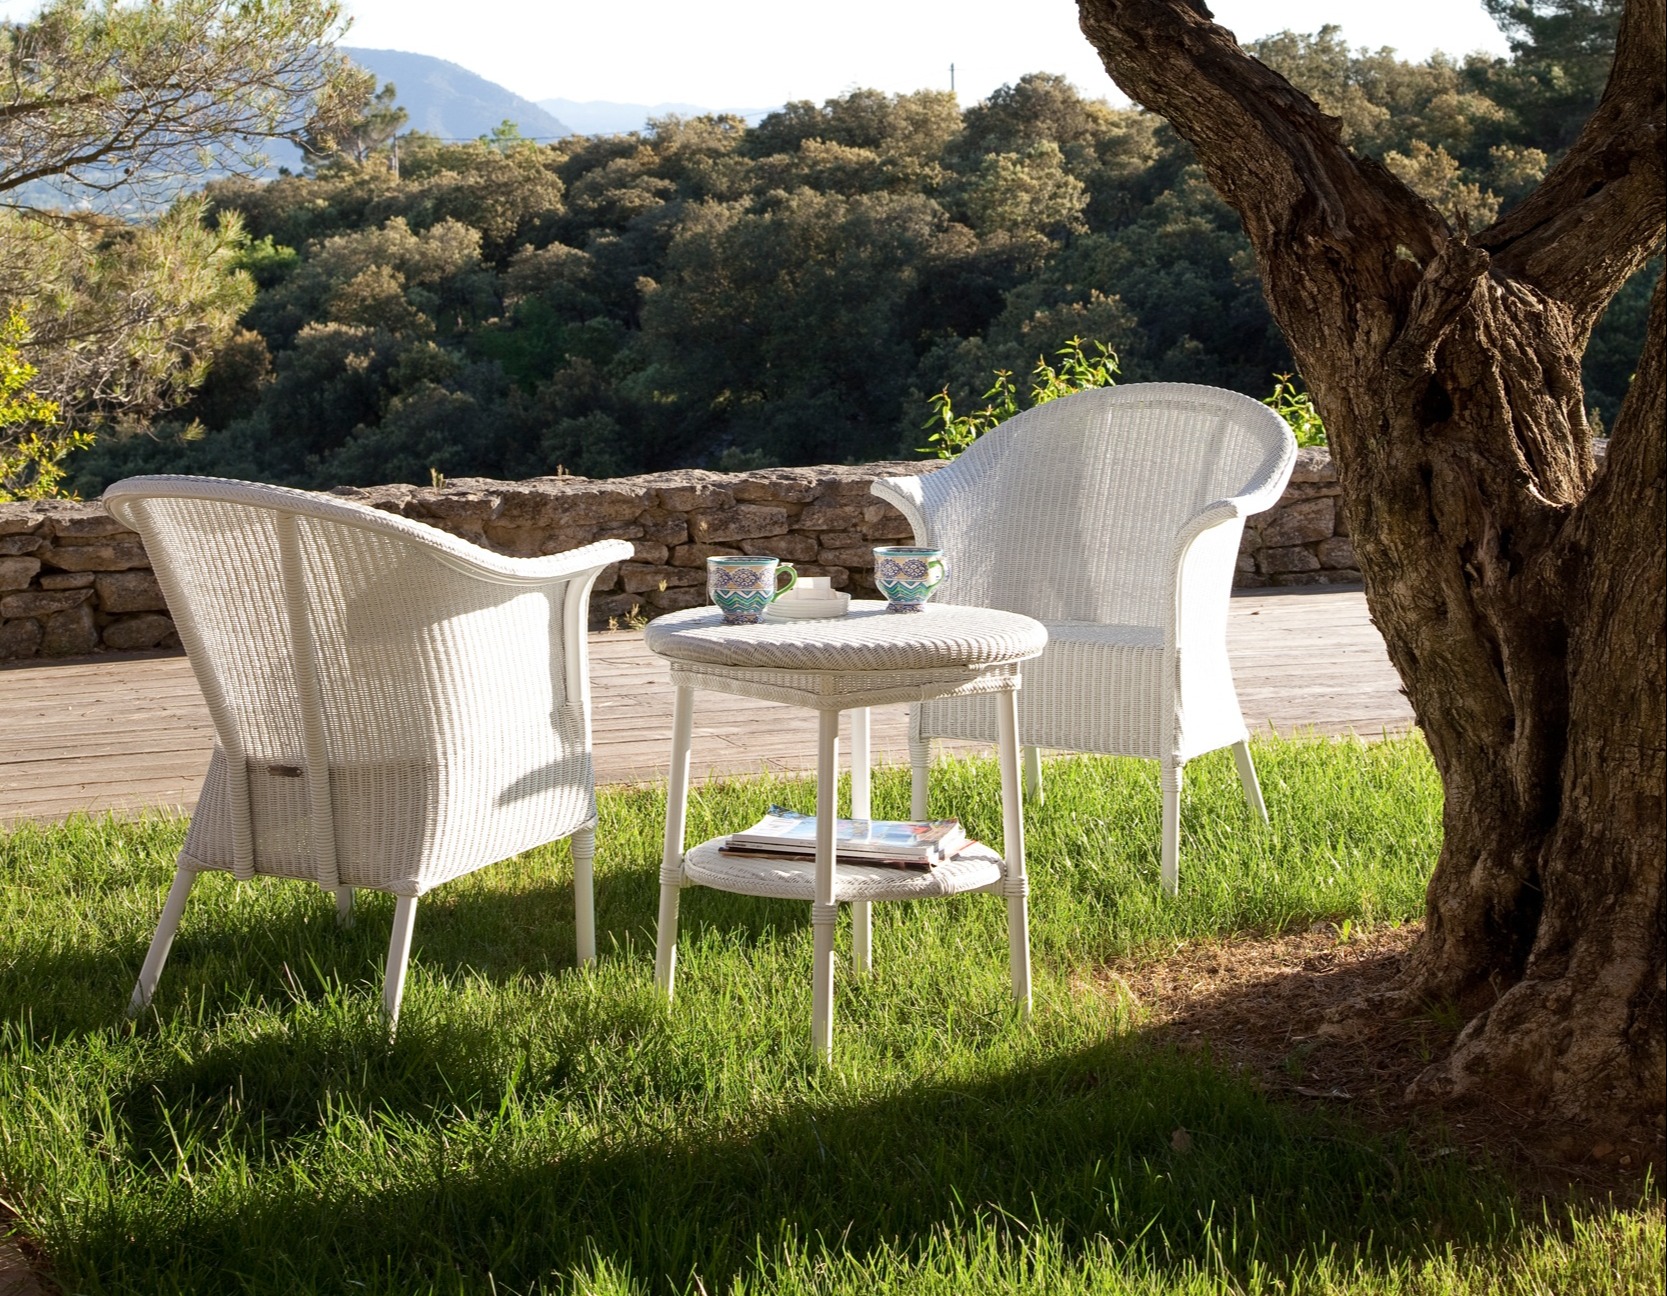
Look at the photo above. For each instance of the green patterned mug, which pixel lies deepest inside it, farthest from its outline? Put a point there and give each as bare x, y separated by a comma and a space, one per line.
906, 575
743, 585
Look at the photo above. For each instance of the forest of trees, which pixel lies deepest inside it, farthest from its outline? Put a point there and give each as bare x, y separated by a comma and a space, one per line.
792, 292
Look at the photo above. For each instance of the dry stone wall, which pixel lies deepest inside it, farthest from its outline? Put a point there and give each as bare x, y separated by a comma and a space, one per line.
74, 581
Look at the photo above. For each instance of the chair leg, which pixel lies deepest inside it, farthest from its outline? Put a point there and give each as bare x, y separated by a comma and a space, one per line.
583, 846
862, 911
671, 860
1015, 881
151, 970
1033, 774
920, 764
344, 906
1247, 776
824, 912
399, 957
1171, 870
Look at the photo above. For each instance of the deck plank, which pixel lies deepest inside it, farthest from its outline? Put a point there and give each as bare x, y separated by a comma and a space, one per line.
126, 733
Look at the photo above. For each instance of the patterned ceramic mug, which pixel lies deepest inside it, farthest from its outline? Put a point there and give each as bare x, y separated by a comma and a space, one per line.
743, 586
907, 575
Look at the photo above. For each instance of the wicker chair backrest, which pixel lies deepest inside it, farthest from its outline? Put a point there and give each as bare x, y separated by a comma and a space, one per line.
1069, 511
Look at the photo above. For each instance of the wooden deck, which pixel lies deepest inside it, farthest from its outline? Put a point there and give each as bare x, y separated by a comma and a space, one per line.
125, 733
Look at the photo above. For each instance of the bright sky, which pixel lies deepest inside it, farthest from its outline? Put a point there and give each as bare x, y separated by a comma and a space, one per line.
760, 53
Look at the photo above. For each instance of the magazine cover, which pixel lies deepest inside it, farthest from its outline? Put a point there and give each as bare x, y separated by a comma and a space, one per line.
889, 837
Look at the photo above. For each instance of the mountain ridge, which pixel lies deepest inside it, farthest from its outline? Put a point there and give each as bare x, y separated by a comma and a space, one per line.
607, 117
445, 99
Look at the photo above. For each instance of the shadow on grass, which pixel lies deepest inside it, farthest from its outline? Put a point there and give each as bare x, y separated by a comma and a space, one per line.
1084, 1145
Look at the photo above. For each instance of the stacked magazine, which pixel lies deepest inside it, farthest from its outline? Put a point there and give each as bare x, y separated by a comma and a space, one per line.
889, 843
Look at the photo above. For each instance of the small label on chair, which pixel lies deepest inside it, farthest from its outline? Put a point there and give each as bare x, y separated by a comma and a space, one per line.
284, 771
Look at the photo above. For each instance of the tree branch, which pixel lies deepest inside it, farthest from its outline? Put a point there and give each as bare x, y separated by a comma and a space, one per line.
1267, 147
1598, 217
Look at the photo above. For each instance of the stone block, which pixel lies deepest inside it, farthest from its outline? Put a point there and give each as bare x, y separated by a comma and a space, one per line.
639, 578
665, 528
40, 603
648, 552
791, 547
837, 576
121, 555
842, 539
686, 498
883, 522
778, 486
16, 523
1246, 564
675, 600
1246, 580
614, 606
16, 573
131, 633
1313, 465
1290, 558
19, 639
1307, 490
70, 633
25, 543
91, 523
65, 580
825, 517
1337, 552
695, 555
130, 591
859, 557
1305, 578
743, 522
1300, 523
564, 539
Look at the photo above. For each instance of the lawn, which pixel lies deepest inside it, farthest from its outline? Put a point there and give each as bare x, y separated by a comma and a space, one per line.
538, 1129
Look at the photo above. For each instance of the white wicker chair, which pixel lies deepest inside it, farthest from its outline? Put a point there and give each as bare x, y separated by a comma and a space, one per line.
1113, 517
393, 707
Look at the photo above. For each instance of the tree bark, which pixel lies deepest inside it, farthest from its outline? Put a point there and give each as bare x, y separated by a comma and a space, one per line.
1519, 587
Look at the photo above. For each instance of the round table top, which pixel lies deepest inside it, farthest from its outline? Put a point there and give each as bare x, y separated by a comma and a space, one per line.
867, 638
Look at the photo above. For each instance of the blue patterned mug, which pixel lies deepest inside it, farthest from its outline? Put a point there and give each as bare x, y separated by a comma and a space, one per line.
743, 585
906, 575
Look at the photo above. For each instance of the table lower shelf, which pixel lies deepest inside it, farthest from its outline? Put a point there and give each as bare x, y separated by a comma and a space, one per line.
975, 869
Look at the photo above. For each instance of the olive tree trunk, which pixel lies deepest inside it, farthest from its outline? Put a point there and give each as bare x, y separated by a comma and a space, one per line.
1518, 584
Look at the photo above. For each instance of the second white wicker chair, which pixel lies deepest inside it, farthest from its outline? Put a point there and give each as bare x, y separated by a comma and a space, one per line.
1113, 517
392, 707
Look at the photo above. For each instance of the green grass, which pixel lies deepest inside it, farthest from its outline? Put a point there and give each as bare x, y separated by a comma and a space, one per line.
537, 1129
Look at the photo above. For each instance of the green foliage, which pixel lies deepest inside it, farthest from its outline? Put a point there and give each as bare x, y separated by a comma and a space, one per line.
105, 97
706, 292
355, 138
1296, 407
1077, 372
33, 443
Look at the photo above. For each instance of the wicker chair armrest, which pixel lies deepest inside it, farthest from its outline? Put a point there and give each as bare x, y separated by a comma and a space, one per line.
906, 496
1201, 569
1263, 492
501, 569
460, 555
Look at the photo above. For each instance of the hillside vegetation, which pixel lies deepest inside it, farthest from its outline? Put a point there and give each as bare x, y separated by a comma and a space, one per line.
793, 292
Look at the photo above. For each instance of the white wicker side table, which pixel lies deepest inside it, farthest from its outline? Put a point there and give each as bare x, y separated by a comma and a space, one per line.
866, 658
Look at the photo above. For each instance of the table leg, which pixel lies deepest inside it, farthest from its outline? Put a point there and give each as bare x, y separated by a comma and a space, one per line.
671, 862
824, 913
1015, 884
862, 911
